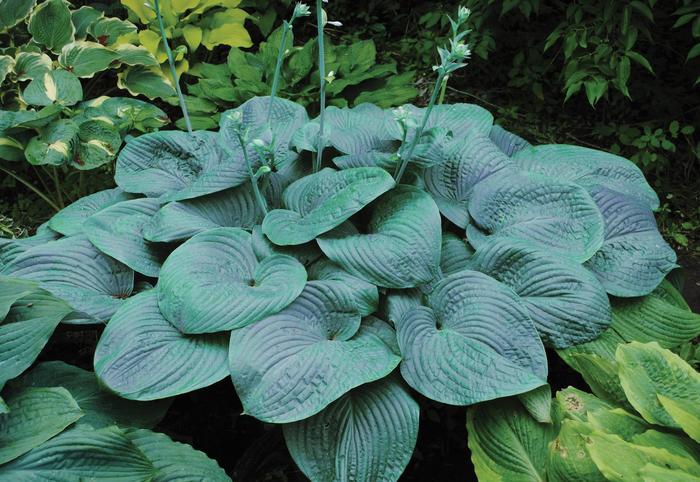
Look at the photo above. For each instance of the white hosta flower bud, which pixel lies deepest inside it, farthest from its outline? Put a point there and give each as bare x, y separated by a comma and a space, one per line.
301, 10
463, 14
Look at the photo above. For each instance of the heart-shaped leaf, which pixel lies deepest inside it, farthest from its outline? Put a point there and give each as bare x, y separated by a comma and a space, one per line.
318, 337
201, 278
588, 168
402, 246
557, 216
178, 221
50, 24
459, 166
461, 119
82, 18
474, 342
69, 220
455, 254
11, 248
54, 144
54, 87
99, 141
144, 78
14, 11
30, 65
567, 304
366, 294
319, 202
304, 253
367, 434
72, 269
141, 356
174, 165
118, 231
85, 59
634, 258
509, 143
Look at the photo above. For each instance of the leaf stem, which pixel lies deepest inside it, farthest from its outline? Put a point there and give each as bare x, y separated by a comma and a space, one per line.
322, 79
256, 190
286, 27
171, 61
405, 158
57, 183
33, 188
443, 89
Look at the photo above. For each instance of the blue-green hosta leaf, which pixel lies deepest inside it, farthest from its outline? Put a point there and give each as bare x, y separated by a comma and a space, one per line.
396, 303
101, 408
214, 282
54, 144
50, 24
117, 231
30, 317
509, 143
460, 119
557, 216
367, 434
69, 220
474, 342
141, 356
14, 11
634, 258
366, 294
35, 415
81, 454
538, 403
174, 461
565, 301
588, 168
455, 253
305, 253
292, 365
319, 202
648, 371
85, 59
180, 220
173, 165
72, 269
11, 248
30, 65
507, 443
401, 247
56, 86
460, 165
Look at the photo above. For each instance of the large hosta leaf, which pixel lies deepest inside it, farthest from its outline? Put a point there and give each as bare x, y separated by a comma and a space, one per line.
507, 142
174, 461
100, 408
11, 248
318, 337
14, 11
461, 119
81, 454
85, 59
180, 220
648, 371
462, 163
634, 258
214, 282
141, 356
69, 220
53, 145
567, 304
474, 342
455, 253
118, 231
401, 247
507, 443
321, 201
35, 415
558, 216
367, 434
50, 24
174, 165
366, 294
588, 168
74, 270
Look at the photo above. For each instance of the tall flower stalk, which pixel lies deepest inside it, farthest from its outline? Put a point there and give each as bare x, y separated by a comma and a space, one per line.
300, 10
451, 60
321, 21
171, 61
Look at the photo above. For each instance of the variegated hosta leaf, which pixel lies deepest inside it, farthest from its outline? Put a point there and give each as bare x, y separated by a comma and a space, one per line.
401, 247
82, 18
50, 24
588, 168
117, 231
7, 65
461, 164
455, 253
72, 269
82, 454
14, 11
30, 65
54, 87
557, 216
214, 282
461, 119
366, 294
100, 407
507, 443
180, 220
174, 165
144, 79
509, 143
69, 220
54, 144
141, 356
474, 342
35, 415
85, 59
99, 141
565, 301
107, 30
174, 460
319, 202
648, 372
29, 317
367, 434
319, 337
634, 258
